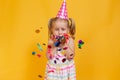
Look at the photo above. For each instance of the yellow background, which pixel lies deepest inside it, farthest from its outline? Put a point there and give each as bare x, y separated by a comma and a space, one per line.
97, 24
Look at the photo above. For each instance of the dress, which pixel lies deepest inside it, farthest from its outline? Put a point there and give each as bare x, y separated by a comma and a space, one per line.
59, 68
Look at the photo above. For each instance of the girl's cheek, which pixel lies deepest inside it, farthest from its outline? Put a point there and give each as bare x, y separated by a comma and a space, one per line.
54, 32
65, 32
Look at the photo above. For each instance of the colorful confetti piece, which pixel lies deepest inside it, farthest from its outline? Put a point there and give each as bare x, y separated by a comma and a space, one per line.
44, 44
37, 31
57, 44
33, 53
65, 48
39, 76
59, 49
50, 56
49, 46
80, 43
39, 55
39, 47
63, 60
55, 61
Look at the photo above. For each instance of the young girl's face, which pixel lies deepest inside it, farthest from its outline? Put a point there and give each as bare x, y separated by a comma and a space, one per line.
59, 27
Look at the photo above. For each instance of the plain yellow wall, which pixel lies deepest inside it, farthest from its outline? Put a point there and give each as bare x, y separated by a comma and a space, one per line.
97, 24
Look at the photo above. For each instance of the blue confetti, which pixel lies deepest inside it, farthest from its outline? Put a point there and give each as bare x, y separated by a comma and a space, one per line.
33, 53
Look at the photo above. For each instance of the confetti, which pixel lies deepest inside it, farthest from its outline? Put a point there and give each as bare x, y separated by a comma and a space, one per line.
37, 31
79, 46
65, 48
59, 49
49, 51
39, 76
66, 36
49, 46
50, 56
33, 53
80, 43
44, 44
57, 44
55, 61
39, 55
57, 58
63, 60
39, 47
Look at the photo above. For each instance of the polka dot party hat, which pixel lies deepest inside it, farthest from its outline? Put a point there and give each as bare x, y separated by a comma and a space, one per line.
63, 11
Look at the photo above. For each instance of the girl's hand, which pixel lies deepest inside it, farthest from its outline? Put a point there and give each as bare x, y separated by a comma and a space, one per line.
51, 42
70, 51
51, 49
65, 39
49, 54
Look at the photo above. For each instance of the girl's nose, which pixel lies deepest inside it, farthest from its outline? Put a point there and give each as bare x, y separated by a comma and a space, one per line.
60, 32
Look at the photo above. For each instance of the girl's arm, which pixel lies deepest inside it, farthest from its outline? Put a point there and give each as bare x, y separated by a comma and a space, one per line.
50, 49
70, 51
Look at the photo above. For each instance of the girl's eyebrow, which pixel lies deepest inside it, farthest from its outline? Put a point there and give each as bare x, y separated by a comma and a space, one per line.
62, 28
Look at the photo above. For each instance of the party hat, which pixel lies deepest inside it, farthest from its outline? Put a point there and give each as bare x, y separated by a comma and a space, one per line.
63, 11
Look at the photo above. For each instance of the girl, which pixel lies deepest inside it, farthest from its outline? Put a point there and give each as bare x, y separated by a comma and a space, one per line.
60, 64
60, 50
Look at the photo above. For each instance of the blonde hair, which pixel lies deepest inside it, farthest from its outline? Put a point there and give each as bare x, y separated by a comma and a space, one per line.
70, 23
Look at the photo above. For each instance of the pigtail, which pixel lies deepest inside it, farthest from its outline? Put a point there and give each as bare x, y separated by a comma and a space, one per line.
49, 27
72, 28
50, 22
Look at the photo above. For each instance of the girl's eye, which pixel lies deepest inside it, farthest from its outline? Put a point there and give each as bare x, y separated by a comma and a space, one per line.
63, 29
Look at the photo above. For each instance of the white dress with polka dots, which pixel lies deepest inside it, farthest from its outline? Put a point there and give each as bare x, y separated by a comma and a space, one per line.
59, 68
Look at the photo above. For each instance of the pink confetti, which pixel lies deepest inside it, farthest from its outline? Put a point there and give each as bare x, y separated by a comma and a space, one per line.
49, 46
65, 48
